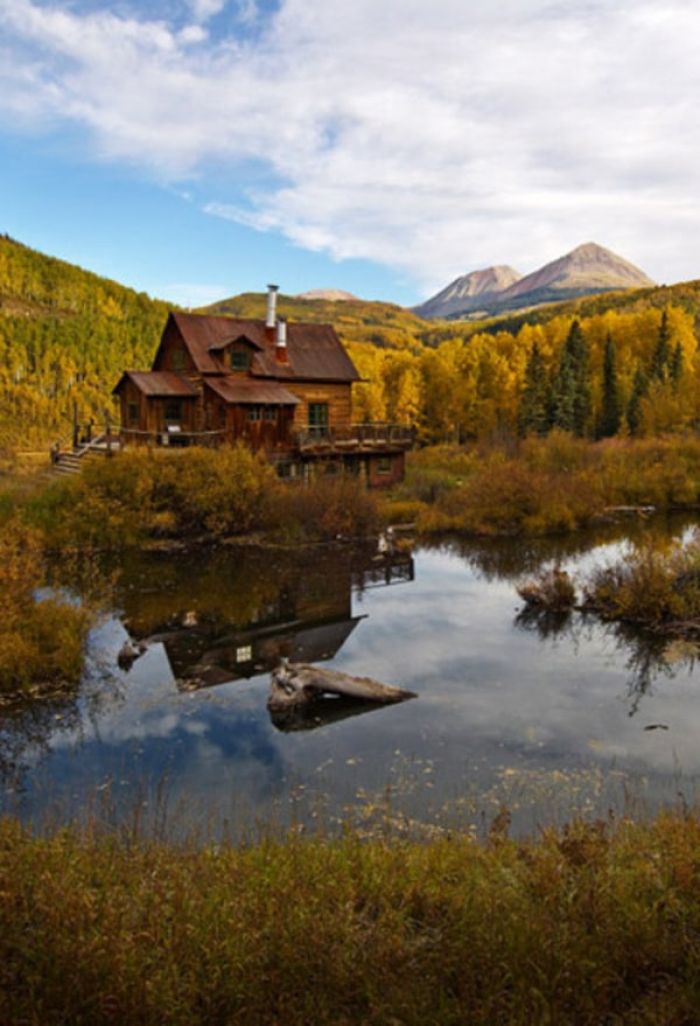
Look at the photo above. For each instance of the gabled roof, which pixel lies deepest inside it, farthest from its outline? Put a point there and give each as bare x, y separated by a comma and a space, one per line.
314, 351
242, 390
227, 342
159, 383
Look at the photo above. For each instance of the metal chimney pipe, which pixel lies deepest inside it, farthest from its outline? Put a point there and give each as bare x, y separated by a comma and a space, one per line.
272, 291
281, 347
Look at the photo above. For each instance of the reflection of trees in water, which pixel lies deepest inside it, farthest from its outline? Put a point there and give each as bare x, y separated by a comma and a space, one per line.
511, 558
546, 624
648, 657
26, 731
28, 728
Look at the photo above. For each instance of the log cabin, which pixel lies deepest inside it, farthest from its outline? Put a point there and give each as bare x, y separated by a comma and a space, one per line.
283, 388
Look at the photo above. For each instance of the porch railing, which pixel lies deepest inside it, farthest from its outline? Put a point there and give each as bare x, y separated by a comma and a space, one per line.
172, 438
356, 437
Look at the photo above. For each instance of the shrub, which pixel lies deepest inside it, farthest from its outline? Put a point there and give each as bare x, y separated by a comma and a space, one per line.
656, 583
325, 509
41, 642
551, 590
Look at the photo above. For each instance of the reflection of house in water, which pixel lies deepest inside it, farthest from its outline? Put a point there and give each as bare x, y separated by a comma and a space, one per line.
301, 612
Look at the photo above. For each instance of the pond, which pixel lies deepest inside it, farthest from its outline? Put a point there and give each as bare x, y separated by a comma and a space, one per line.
544, 717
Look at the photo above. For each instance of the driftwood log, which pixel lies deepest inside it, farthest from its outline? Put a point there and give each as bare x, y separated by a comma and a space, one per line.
298, 684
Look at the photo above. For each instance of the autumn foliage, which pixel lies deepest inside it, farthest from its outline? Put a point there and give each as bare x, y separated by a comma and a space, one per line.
41, 638
597, 923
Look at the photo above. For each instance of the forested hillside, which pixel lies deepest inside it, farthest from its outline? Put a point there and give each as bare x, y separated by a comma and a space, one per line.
630, 366
65, 337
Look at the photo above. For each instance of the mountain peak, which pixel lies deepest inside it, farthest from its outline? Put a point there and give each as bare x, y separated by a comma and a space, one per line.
588, 268
469, 292
333, 295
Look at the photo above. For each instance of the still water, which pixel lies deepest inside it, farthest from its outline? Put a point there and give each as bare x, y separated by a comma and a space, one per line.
548, 717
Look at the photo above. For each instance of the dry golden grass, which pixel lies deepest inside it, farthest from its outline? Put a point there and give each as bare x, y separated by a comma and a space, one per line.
587, 926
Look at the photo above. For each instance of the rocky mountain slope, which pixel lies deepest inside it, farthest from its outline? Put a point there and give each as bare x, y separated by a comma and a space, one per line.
474, 291
588, 269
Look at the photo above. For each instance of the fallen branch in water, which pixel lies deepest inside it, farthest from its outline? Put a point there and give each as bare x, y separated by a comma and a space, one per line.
298, 684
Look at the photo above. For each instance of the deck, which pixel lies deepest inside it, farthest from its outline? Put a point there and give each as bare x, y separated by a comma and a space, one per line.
325, 441
358, 438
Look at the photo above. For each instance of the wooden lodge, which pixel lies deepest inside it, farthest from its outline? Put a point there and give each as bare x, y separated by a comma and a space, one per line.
278, 387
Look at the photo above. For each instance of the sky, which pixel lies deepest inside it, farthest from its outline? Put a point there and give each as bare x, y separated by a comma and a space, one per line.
195, 149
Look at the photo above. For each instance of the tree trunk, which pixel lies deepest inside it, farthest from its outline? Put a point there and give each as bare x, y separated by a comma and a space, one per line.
298, 684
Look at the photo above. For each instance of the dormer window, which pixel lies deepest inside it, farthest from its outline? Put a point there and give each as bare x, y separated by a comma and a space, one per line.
240, 359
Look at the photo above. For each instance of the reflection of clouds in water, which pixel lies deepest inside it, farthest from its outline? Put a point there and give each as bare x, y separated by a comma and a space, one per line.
494, 697
482, 681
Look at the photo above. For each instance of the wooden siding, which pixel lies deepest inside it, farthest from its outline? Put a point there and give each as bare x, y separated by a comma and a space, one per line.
377, 476
338, 397
235, 420
130, 394
152, 411
171, 344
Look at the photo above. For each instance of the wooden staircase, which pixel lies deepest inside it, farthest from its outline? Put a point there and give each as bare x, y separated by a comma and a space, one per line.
73, 461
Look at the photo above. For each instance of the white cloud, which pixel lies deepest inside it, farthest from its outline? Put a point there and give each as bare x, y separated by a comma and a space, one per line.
433, 138
203, 10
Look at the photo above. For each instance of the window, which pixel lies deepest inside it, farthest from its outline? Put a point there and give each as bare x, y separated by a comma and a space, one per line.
173, 411
240, 359
270, 414
244, 654
384, 465
132, 414
254, 413
318, 415
178, 359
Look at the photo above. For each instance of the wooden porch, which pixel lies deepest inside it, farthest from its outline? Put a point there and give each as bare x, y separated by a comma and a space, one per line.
357, 438
308, 442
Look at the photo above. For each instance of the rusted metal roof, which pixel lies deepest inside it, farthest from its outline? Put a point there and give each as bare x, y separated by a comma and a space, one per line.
314, 351
159, 383
240, 390
239, 338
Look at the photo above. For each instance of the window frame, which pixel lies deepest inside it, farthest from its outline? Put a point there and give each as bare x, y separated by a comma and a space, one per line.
168, 406
321, 423
243, 356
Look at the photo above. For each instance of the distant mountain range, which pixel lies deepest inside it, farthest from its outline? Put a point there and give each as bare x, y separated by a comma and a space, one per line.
588, 269
330, 295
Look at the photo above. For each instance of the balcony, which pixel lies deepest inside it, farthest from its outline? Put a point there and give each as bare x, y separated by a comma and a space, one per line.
366, 438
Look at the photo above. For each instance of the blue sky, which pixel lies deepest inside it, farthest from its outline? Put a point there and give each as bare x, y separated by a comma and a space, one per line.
200, 148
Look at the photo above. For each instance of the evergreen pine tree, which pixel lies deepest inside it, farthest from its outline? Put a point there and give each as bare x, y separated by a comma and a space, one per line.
675, 367
532, 417
658, 371
640, 386
571, 387
610, 408
562, 396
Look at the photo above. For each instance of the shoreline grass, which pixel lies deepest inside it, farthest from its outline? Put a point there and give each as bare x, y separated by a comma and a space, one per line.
597, 923
552, 485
